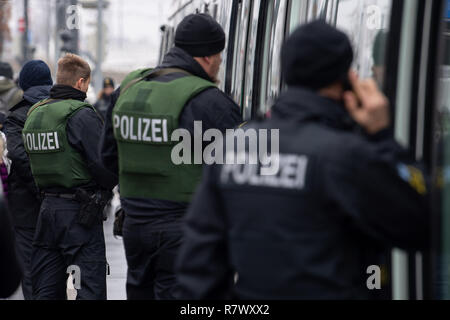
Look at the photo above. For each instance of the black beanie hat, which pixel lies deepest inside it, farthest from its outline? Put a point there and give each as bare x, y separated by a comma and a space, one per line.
35, 73
200, 35
316, 55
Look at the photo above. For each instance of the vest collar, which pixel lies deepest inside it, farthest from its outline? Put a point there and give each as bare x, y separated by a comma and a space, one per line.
64, 92
178, 58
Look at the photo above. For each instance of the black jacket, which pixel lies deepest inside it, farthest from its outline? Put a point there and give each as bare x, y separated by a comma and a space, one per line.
214, 108
23, 197
102, 105
304, 234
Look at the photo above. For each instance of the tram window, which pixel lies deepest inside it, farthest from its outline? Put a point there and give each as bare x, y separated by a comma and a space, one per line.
309, 10
367, 23
442, 282
215, 10
171, 38
222, 11
240, 51
323, 9
271, 65
297, 14
162, 48
247, 102
167, 41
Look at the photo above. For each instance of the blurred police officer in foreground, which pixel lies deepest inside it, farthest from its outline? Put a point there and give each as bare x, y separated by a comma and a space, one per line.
339, 194
155, 193
61, 137
23, 198
104, 97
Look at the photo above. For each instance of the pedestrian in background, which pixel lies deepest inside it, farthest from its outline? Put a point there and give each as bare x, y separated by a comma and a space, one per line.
104, 97
23, 199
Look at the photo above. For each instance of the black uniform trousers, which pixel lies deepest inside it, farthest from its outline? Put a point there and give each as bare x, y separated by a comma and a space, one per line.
60, 242
151, 248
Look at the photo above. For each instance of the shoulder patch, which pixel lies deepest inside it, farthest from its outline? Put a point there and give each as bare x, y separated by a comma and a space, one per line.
414, 177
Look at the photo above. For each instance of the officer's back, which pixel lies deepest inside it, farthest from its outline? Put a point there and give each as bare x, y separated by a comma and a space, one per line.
339, 197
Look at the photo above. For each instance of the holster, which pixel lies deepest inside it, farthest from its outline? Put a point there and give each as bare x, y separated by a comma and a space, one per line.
92, 205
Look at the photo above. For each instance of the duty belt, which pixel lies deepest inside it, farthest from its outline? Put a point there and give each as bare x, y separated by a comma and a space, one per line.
67, 196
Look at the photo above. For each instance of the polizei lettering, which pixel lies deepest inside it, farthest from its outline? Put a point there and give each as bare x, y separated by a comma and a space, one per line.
141, 129
291, 173
41, 141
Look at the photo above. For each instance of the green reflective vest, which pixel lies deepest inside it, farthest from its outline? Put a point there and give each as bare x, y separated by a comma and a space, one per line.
54, 162
145, 115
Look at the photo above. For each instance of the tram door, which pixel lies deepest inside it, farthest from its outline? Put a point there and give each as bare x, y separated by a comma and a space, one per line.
441, 227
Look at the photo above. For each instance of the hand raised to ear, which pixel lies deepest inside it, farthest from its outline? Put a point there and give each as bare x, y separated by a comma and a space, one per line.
367, 105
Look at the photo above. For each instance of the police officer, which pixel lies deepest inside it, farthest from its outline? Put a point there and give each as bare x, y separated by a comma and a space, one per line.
61, 137
146, 109
104, 97
23, 199
343, 190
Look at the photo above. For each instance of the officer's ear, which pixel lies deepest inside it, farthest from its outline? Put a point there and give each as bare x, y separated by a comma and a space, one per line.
201, 60
82, 84
204, 62
79, 83
208, 60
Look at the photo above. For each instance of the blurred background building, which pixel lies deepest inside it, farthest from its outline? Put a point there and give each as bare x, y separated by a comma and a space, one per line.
45, 29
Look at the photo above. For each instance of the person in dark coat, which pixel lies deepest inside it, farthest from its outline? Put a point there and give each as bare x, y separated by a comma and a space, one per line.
342, 191
23, 199
152, 226
104, 98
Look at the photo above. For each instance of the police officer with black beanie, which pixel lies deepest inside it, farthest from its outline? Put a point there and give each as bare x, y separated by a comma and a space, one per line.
155, 193
344, 190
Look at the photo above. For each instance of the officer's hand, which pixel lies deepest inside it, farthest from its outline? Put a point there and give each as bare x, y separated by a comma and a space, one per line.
367, 105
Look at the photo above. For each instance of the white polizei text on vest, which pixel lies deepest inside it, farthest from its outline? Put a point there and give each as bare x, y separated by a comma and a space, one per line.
141, 129
43, 141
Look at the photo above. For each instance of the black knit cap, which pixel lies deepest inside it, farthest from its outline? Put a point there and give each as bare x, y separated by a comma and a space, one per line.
316, 55
200, 35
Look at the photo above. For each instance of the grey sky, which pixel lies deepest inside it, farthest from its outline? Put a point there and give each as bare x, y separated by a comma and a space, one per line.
132, 31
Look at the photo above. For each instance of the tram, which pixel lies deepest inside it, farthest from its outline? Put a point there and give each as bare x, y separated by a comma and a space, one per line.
404, 45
